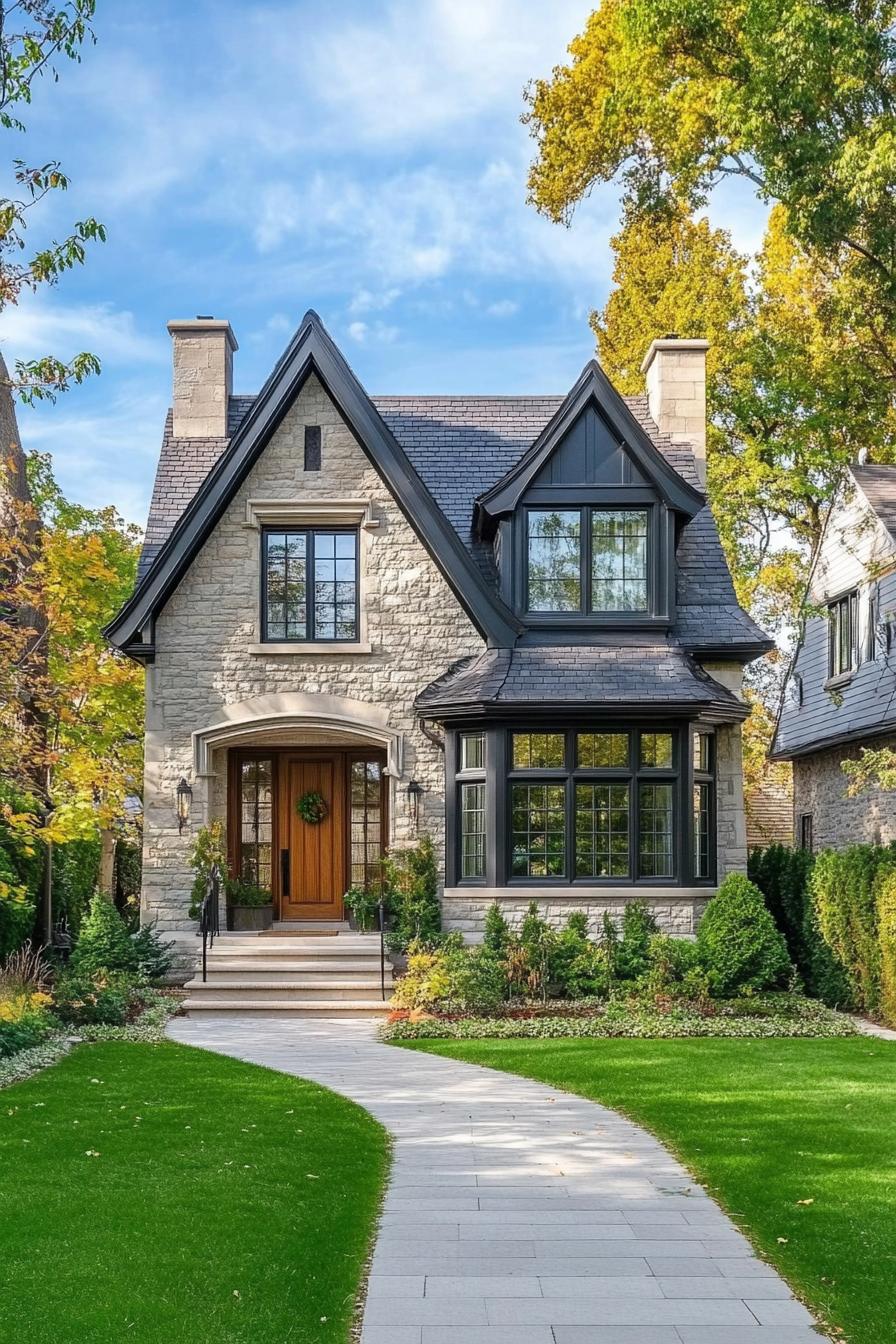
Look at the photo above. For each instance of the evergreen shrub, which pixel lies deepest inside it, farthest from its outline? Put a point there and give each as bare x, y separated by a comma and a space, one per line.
739, 946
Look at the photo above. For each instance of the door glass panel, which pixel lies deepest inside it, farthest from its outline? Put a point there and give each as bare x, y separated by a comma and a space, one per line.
366, 791
256, 808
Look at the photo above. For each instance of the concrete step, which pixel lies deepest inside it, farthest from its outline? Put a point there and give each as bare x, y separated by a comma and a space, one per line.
304, 972
285, 1007
349, 945
288, 989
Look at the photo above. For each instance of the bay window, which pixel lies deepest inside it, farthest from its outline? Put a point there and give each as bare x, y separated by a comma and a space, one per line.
582, 805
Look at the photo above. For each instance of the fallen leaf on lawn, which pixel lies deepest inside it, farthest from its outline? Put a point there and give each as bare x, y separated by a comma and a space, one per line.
805, 1201
782, 1241
311, 1176
91, 1152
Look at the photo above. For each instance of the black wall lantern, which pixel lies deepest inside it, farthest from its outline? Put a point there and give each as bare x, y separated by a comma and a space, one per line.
184, 800
414, 791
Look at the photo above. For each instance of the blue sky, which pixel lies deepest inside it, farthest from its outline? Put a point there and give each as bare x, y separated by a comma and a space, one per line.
252, 161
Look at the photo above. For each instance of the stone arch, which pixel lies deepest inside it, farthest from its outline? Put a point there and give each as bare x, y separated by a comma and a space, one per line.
338, 715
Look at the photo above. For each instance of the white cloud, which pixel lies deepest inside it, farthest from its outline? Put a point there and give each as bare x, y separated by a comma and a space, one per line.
365, 301
45, 325
502, 308
380, 332
104, 453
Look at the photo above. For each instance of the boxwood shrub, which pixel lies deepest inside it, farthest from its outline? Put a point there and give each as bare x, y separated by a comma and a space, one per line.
737, 940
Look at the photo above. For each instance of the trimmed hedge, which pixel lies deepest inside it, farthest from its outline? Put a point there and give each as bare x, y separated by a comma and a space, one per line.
737, 940
782, 875
838, 914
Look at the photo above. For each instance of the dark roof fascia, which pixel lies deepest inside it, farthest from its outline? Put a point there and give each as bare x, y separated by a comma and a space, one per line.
592, 385
732, 652
313, 351
542, 711
883, 729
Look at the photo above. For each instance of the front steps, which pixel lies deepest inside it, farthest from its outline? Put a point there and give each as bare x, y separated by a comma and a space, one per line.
293, 973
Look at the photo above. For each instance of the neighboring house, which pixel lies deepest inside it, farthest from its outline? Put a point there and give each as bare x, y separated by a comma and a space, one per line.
840, 692
506, 621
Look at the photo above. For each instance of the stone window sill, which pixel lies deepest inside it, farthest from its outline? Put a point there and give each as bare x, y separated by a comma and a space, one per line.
302, 650
837, 683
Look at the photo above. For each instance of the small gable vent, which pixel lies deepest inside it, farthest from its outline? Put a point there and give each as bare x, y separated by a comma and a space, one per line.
312, 447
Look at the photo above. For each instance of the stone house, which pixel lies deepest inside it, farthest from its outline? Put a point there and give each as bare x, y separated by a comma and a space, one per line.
503, 620
840, 691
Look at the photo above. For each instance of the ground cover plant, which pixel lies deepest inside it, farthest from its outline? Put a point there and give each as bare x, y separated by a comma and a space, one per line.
196, 1197
795, 1138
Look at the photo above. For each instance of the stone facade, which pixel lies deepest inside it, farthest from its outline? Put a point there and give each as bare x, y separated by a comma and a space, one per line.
414, 628
676, 910
820, 790
213, 683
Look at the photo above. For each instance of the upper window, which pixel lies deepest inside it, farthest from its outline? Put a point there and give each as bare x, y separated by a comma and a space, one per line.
843, 616
590, 560
310, 587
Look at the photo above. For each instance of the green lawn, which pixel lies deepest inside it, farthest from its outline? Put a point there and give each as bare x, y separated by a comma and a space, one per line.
765, 1125
164, 1195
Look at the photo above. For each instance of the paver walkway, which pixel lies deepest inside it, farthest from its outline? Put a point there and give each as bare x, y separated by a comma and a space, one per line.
517, 1214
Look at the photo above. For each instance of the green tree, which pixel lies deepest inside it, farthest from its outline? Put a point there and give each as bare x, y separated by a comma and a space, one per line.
670, 97
36, 36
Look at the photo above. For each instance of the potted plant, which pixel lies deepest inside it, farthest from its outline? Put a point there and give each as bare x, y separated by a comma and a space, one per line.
361, 903
251, 907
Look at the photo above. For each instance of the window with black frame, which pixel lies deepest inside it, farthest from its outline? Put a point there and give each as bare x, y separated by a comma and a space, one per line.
593, 805
472, 806
843, 617
589, 560
310, 585
703, 804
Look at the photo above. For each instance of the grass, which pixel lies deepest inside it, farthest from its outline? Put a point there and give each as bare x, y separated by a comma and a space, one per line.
158, 1193
797, 1139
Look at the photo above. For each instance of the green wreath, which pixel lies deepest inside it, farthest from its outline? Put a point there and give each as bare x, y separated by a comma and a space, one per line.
312, 807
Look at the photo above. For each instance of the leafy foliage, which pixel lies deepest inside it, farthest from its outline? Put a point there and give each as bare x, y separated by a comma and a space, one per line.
496, 935
885, 894
21, 866
782, 875
638, 927
412, 886
82, 996
104, 944
76, 869
737, 940
777, 1015
208, 853
152, 952
35, 37
843, 888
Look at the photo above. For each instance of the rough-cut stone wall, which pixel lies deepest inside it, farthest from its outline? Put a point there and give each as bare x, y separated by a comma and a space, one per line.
676, 911
819, 788
731, 821
414, 626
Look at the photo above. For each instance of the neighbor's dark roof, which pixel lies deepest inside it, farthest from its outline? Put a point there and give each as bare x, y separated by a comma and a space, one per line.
651, 676
878, 485
461, 447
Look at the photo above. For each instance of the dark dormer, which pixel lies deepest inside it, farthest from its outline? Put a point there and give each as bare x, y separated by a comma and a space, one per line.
585, 525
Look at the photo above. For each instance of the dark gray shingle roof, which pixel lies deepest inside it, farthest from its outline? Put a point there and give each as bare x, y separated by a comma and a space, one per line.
878, 485
461, 446
652, 675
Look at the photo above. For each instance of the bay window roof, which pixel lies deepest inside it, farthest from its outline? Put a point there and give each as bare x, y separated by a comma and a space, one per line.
649, 678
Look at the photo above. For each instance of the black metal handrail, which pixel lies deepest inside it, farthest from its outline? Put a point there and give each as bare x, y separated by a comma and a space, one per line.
382, 921
209, 919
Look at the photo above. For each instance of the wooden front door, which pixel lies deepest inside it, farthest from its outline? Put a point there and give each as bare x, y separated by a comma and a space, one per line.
312, 860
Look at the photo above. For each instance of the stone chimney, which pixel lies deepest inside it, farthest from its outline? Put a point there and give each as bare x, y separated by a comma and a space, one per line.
675, 371
203, 377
